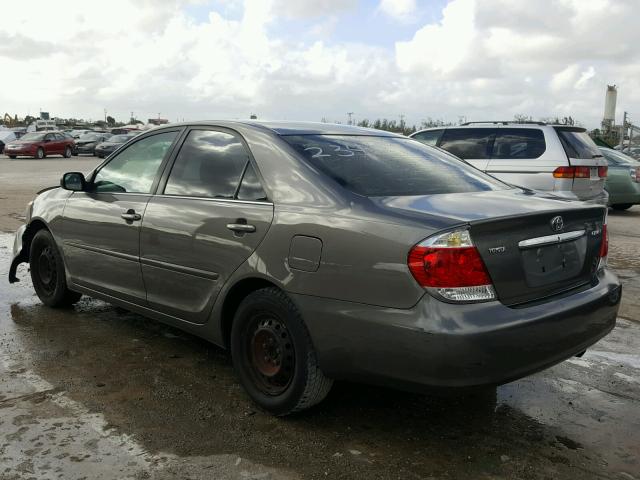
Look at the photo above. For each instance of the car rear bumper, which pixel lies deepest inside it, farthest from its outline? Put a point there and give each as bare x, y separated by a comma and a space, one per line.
436, 344
601, 198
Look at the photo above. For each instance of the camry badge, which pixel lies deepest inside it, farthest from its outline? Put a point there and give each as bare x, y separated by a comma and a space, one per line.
557, 223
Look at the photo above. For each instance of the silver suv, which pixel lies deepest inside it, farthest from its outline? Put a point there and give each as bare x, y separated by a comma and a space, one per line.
557, 158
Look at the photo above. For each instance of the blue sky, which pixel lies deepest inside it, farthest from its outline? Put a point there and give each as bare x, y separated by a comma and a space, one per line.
363, 24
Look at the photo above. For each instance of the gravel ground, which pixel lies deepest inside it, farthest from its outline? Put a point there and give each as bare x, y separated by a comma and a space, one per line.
97, 392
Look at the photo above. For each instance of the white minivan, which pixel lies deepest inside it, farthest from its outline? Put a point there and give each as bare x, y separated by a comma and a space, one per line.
557, 158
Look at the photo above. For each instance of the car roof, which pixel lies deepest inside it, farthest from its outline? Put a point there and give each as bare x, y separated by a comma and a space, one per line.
285, 128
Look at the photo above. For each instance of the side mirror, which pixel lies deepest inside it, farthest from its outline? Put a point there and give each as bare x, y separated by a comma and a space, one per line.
73, 181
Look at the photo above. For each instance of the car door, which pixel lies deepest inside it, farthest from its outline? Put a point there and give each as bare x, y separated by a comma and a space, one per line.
208, 218
101, 226
471, 144
50, 144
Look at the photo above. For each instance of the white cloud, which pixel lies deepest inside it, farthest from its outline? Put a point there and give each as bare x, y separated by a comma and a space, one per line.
483, 59
398, 9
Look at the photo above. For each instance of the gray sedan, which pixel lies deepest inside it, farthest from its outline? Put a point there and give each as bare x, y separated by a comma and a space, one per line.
316, 252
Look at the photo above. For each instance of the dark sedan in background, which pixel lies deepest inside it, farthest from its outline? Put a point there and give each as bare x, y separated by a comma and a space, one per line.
110, 145
87, 143
317, 252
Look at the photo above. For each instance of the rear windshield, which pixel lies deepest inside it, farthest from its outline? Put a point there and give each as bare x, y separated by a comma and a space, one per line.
618, 158
577, 144
390, 166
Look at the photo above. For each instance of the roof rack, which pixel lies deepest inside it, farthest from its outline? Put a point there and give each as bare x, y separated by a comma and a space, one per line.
505, 122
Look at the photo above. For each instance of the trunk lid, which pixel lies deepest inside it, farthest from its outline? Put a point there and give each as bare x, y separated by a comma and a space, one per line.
528, 251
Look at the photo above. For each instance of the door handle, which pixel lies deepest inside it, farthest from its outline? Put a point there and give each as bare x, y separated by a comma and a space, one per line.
241, 227
131, 215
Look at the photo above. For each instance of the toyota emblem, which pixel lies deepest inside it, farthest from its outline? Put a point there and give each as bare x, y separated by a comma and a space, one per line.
557, 223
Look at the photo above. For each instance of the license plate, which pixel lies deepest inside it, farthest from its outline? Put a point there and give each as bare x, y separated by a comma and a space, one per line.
594, 173
554, 263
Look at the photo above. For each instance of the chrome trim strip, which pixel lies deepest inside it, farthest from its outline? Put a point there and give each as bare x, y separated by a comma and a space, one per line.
551, 239
224, 200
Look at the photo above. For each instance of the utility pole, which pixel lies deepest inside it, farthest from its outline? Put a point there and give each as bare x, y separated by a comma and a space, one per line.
623, 128
350, 115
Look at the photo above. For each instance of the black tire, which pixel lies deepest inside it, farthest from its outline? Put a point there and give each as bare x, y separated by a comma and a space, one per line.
47, 272
12, 157
622, 206
67, 152
287, 378
40, 153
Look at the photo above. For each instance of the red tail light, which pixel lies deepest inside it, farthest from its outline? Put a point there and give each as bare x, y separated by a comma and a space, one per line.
635, 174
604, 246
603, 171
448, 267
451, 266
573, 172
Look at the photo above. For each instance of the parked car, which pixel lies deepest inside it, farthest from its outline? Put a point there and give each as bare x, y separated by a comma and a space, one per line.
623, 181
111, 144
317, 252
6, 136
41, 144
557, 158
87, 143
79, 133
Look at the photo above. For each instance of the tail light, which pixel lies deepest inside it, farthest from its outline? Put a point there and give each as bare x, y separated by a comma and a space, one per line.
572, 172
449, 265
635, 174
603, 171
604, 246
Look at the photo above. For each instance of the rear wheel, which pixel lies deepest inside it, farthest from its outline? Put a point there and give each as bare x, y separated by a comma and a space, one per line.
40, 153
68, 152
12, 157
273, 354
47, 272
622, 206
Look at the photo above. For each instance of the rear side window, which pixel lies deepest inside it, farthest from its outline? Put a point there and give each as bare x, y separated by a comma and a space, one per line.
211, 164
389, 166
518, 143
468, 143
577, 144
430, 137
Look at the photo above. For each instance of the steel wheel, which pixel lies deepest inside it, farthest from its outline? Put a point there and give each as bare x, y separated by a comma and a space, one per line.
47, 270
271, 355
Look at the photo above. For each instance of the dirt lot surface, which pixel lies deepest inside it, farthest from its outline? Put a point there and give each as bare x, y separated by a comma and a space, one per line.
99, 393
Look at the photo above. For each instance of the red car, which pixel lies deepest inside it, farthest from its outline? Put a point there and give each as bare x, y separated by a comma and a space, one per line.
40, 144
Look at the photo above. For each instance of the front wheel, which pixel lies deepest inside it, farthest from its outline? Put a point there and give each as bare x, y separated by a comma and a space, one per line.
47, 272
622, 206
68, 152
13, 157
40, 153
273, 354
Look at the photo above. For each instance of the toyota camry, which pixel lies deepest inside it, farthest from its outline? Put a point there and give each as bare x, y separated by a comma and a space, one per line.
318, 252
